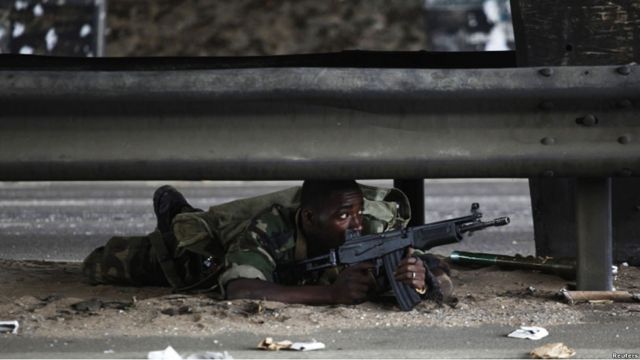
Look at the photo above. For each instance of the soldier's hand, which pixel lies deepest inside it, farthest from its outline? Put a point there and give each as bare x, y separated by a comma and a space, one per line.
353, 284
411, 271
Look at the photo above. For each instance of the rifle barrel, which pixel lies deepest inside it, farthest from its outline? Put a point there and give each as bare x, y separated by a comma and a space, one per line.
479, 225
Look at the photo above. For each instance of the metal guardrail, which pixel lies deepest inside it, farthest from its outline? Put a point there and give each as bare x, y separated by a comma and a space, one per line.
292, 123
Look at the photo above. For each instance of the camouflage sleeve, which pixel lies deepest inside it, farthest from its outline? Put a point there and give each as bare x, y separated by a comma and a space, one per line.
255, 254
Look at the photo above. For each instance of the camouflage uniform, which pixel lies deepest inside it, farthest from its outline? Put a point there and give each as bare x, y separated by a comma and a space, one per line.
247, 238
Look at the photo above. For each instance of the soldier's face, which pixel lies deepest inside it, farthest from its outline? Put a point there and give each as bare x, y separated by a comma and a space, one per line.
325, 227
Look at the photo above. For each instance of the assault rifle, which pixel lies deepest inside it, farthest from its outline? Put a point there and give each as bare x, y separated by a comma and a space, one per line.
387, 249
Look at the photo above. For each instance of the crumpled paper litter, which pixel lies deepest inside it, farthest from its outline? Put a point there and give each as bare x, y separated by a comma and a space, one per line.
552, 351
270, 344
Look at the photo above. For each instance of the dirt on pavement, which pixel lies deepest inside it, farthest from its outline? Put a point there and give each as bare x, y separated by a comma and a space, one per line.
52, 299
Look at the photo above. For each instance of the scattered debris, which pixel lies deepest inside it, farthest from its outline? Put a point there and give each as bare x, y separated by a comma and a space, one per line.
30, 303
25, 290
9, 327
452, 301
552, 351
167, 354
177, 311
520, 293
254, 308
210, 355
93, 305
600, 302
529, 332
170, 354
118, 305
307, 346
50, 298
573, 297
269, 344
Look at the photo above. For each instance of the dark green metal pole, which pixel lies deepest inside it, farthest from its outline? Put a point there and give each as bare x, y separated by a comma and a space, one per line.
564, 267
593, 225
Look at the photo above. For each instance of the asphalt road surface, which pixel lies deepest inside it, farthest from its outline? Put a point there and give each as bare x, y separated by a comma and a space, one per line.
487, 342
64, 221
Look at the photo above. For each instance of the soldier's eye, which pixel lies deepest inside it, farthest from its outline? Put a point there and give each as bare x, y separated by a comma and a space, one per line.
360, 212
343, 216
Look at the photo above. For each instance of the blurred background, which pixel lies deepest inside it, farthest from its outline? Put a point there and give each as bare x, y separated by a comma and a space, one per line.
250, 27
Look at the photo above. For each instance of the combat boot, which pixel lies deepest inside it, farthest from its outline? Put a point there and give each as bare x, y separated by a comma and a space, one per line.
167, 203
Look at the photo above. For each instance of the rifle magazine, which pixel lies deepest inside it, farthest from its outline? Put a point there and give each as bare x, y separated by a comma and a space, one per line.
406, 296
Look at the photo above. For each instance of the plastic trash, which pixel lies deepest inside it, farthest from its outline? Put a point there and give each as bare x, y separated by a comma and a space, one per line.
210, 355
167, 354
9, 327
170, 354
307, 346
529, 332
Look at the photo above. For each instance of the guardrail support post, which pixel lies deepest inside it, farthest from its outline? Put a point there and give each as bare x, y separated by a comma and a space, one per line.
593, 227
414, 189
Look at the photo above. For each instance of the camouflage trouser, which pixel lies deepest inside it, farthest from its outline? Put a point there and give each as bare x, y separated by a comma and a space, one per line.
152, 260
125, 261
193, 254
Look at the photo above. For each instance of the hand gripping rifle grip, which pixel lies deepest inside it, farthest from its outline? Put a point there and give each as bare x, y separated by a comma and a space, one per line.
406, 295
